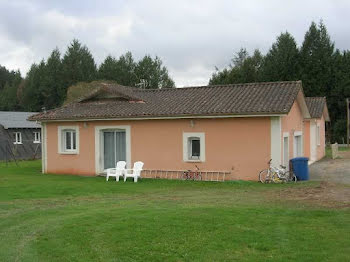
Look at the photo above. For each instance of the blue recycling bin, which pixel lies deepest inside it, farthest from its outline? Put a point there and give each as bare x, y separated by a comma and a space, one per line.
300, 167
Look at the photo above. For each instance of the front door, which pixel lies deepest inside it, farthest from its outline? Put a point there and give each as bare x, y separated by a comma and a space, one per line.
114, 147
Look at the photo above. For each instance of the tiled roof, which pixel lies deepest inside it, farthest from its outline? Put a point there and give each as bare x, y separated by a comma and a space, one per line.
9, 119
237, 99
316, 106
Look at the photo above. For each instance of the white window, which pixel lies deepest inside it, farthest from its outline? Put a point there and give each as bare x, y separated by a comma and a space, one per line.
194, 147
18, 138
37, 137
68, 140
318, 138
286, 149
298, 144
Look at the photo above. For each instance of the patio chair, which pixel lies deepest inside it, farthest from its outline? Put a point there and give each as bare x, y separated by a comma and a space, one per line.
136, 171
116, 172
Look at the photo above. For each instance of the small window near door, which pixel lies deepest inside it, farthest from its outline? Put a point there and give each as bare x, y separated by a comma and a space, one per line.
18, 138
194, 147
68, 140
318, 138
37, 138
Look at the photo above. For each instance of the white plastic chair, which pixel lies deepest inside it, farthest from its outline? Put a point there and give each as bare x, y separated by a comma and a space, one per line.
116, 172
136, 171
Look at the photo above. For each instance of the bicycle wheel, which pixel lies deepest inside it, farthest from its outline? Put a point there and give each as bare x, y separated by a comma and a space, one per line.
264, 176
291, 177
198, 177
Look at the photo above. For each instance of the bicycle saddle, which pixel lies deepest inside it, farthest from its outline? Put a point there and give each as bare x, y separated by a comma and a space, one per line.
284, 167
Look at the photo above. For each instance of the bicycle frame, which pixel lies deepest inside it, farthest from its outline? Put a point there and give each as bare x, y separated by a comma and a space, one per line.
277, 170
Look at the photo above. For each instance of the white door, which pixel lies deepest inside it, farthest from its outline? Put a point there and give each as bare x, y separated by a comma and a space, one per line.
286, 151
313, 147
114, 147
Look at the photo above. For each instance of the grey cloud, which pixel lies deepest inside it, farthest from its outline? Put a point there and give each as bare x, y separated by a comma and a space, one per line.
191, 37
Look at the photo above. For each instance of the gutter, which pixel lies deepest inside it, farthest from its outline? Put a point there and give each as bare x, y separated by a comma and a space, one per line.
155, 118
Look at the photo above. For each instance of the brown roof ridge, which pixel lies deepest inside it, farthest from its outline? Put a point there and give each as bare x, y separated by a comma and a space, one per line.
221, 85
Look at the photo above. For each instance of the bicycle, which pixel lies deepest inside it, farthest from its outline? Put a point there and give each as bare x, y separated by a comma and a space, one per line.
276, 175
192, 175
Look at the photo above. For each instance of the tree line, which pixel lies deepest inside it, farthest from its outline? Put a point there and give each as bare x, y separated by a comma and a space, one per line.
46, 83
323, 69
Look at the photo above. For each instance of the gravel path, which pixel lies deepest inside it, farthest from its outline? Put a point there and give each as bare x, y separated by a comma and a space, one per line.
332, 170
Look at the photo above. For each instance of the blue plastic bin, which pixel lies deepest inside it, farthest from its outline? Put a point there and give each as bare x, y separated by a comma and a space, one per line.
300, 167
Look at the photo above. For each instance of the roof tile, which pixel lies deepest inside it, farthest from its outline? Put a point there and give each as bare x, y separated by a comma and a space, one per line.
234, 99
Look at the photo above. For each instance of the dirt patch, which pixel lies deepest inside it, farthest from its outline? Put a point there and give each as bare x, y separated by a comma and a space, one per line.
344, 154
331, 170
326, 194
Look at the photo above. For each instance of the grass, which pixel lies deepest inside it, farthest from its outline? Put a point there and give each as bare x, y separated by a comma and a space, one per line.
71, 218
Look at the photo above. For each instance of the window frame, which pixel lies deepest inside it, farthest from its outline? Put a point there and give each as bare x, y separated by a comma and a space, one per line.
298, 134
187, 147
62, 131
18, 139
37, 137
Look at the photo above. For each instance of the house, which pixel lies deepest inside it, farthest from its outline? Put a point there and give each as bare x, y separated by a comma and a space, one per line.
19, 138
230, 128
315, 128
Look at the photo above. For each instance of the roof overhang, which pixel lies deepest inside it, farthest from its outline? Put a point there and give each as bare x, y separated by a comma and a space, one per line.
302, 103
326, 113
159, 118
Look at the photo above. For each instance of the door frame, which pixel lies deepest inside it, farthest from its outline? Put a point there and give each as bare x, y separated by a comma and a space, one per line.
99, 146
285, 135
114, 131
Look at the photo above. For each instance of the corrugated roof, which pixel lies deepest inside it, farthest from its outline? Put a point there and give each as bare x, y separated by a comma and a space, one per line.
316, 106
9, 119
236, 99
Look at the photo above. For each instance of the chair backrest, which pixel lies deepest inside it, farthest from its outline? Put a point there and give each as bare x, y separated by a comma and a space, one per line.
138, 168
120, 165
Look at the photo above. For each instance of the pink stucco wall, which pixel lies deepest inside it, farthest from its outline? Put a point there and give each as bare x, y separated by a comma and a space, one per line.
239, 145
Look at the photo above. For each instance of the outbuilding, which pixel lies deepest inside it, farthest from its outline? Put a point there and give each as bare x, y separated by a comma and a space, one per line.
19, 138
229, 129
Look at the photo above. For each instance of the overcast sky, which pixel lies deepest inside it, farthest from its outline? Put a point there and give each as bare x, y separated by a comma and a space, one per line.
191, 37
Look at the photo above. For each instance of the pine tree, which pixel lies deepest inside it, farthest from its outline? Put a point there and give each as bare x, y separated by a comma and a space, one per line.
243, 69
9, 80
78, 65
153, 73
53, 82
108, 69
122, 70
33, 98
317, 61
281, 62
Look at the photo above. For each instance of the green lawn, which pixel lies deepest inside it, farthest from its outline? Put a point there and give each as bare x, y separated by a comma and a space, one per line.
70, 218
